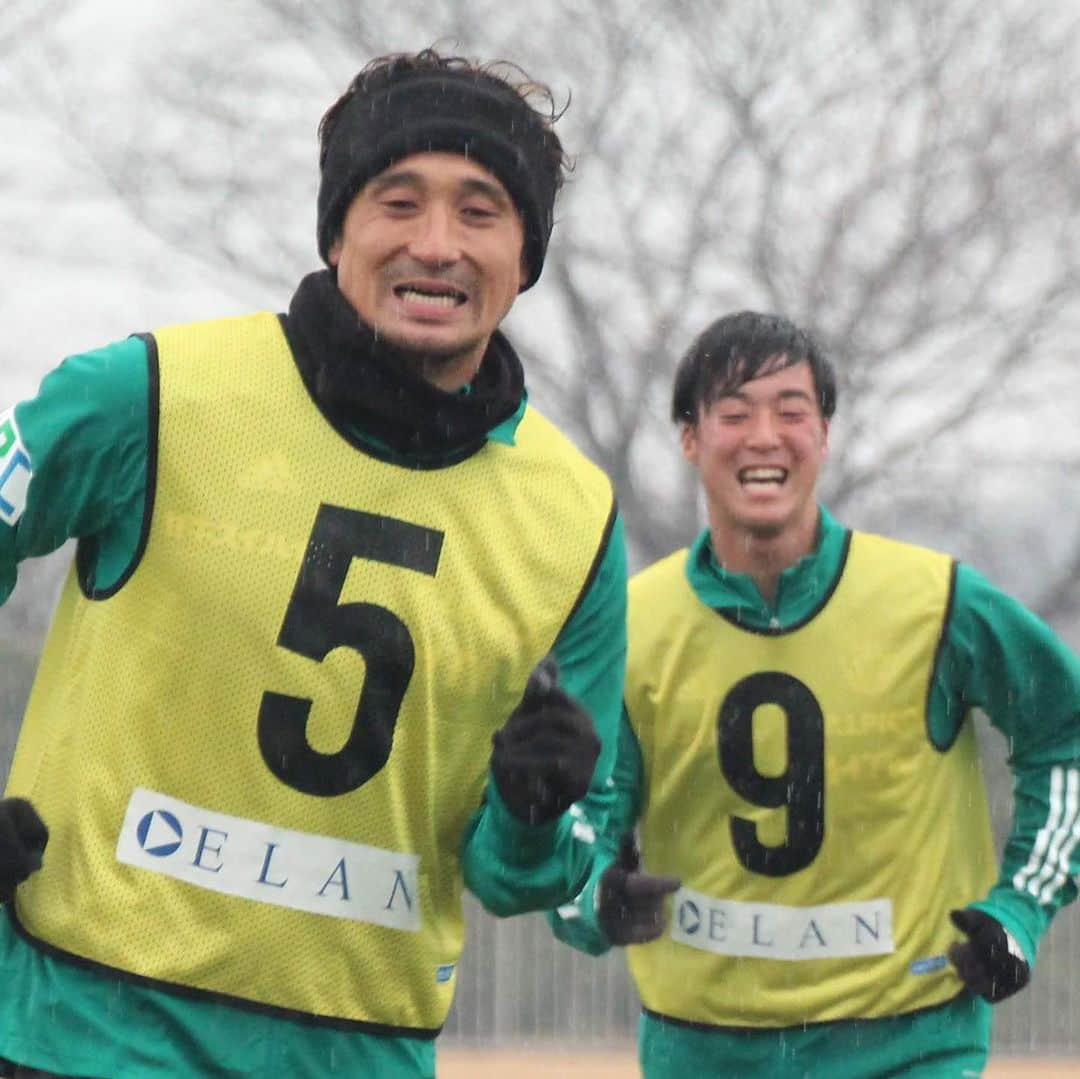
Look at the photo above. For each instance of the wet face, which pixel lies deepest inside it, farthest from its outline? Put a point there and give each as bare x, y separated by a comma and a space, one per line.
430, 255
758, 451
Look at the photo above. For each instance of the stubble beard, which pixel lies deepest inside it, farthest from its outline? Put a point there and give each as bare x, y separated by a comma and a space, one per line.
423, 360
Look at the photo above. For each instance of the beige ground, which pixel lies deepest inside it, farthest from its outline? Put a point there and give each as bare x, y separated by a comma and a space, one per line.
617, 1064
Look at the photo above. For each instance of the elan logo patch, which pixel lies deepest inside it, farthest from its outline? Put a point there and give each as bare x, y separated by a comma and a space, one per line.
771, 931
15, 470
266, 864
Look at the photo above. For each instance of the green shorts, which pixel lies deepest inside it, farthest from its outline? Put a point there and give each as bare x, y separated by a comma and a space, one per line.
951, 1041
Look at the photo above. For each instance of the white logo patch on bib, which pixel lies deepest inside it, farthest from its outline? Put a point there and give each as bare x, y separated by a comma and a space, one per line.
770, 931
257, 861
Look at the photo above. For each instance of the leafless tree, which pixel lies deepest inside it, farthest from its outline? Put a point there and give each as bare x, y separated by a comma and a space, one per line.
901, 178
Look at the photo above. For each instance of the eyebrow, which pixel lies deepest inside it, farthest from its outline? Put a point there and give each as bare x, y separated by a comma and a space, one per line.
796, 395
496, 192
472, 185
783, 395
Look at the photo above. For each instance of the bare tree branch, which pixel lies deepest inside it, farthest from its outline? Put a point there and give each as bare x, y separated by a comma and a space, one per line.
903, 181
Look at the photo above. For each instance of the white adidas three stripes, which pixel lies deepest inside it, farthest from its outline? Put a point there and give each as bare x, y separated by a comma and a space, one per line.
1048, 867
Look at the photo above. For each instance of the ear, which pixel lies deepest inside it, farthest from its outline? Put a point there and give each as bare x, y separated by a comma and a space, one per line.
333, 255
824, 438
689, 443
523, 270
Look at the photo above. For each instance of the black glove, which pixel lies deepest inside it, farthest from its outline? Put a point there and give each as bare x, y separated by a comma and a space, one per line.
989, 962
630, 906
23, 836
543, 758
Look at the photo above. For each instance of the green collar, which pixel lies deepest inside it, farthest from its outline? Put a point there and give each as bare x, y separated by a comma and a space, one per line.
504, 433
800, 589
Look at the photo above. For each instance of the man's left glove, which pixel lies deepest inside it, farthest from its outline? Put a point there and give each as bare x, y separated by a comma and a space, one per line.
23, 836
990, 962
630, 904
543, 758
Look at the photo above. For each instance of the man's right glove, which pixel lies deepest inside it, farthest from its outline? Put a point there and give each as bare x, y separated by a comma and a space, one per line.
543, 758
630, 904
990, 962
23, 836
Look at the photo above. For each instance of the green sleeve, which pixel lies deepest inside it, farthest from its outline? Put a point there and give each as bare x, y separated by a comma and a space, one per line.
1001, 658
513, 867
84, 440
575, 922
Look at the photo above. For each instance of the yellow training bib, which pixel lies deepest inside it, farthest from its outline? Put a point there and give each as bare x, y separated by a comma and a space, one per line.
258, 756
791, 783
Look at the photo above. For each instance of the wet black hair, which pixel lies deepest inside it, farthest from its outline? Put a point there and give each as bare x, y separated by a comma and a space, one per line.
744, 346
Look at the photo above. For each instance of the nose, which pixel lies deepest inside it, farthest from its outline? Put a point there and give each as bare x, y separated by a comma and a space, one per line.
764, 429
434, 240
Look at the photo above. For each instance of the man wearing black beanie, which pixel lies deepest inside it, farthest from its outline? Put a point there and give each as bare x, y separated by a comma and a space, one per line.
345, 632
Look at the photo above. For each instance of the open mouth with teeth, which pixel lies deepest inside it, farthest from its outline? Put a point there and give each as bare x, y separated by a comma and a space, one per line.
443, 296
762, 478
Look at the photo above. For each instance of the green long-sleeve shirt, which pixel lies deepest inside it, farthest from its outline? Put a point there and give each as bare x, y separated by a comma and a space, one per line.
85, 438
995, 656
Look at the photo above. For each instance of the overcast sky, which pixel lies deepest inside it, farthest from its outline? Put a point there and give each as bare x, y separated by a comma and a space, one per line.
79, 272
73, 261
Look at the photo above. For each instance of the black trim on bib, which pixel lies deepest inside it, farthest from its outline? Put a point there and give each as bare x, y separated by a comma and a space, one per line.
594, 569
950, 602
209, 996
86, 550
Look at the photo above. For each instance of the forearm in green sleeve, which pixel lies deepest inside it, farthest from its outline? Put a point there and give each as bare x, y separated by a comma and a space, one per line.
1042, 855
1008, 662
513, 867
575, 923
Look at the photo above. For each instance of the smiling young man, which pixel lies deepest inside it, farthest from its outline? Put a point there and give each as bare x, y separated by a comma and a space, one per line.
758, 451
797, 748
285, 711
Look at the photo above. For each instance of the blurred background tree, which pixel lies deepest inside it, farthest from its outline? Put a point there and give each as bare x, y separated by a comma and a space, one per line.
904, 179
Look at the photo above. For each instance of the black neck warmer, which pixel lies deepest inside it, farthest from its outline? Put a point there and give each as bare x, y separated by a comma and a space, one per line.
366, 386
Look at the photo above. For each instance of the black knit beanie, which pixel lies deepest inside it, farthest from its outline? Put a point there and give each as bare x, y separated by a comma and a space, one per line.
398, 112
